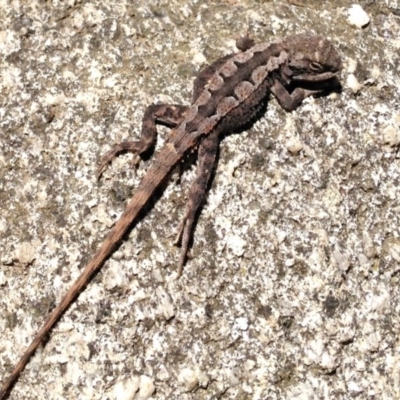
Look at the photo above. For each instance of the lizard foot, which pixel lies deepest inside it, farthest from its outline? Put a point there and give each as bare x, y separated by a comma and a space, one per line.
136, 147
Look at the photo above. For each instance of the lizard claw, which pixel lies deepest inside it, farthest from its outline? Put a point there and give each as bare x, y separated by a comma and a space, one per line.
183, 238
137, 148
105, 160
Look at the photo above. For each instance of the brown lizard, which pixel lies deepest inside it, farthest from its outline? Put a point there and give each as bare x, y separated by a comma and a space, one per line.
227, 95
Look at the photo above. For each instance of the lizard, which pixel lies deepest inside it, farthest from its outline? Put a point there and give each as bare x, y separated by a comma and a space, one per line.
227, 95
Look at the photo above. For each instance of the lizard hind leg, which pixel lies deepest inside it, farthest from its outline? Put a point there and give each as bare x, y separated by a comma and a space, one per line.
163, 114
207, 159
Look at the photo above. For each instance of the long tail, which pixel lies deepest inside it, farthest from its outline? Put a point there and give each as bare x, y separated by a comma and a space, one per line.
164, 163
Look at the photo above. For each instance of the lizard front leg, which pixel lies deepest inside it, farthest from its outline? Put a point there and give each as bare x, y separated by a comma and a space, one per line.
164, 114
207, 159
290, 101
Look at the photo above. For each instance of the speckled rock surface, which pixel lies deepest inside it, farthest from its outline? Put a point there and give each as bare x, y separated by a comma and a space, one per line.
293, 288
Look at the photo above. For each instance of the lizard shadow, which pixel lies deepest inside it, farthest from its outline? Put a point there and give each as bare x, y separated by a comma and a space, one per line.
331, 86
326, 87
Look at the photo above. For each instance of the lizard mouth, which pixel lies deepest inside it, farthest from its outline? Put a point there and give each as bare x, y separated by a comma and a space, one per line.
325, 76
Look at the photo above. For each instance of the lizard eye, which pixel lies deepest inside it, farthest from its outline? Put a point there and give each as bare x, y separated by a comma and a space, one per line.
316, 67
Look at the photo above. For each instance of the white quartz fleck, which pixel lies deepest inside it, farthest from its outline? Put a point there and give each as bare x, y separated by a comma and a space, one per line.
3, 279
353, 84
188, 378
357, 16
391, 135
25, 253
294, 145
126, 390
242, 323
114, 276
199, 59
146, 387
236, 244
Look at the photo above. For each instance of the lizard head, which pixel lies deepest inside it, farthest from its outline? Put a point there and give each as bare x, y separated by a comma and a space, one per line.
311, 59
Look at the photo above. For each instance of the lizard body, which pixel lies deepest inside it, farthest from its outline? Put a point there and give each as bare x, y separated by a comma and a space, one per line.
227, 95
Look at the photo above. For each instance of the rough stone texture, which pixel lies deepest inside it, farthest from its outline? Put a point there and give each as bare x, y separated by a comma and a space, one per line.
293, 289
